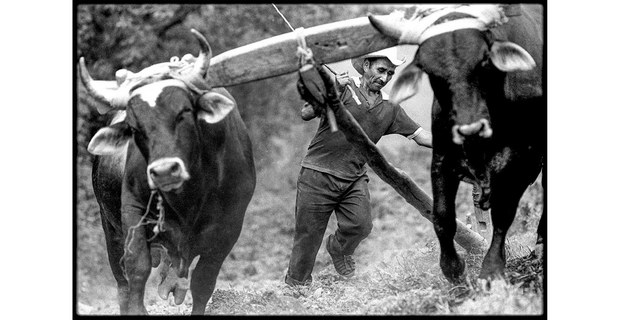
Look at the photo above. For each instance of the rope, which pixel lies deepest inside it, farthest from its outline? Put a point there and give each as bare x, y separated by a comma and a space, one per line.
303, 52
301, 41
281, 15
159, 226
306, 62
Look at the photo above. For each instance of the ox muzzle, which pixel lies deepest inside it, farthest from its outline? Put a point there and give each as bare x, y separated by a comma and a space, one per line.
167, 174
481, 128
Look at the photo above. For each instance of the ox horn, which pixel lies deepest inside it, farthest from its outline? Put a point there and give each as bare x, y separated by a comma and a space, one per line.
396, 29
198, 75
102, 99
387, 26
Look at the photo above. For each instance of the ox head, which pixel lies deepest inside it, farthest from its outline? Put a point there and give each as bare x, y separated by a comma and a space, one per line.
164, 105
465, 66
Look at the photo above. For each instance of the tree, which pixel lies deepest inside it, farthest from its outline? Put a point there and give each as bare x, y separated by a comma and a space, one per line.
112, 37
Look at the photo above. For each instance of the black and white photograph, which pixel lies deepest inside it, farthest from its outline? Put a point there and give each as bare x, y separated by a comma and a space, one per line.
310, 159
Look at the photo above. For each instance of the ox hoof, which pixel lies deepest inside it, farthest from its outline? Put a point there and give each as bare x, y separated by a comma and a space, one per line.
491, 272
489, 275
137, 310
453, 269
539, 250
492, 267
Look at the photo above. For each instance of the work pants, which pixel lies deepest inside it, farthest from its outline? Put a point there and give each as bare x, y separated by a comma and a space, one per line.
318, 195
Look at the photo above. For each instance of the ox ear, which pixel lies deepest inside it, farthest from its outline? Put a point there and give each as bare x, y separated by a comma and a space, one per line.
406, 84
508, 56
213, 107
110, 140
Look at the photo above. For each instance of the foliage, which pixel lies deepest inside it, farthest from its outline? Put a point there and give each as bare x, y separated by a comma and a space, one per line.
113, 37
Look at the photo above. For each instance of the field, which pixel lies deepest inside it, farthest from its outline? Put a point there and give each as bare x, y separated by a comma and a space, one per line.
397, 265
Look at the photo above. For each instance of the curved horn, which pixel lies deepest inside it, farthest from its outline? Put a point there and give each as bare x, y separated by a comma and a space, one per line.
201, 66
405, 32
101, 99
387, 26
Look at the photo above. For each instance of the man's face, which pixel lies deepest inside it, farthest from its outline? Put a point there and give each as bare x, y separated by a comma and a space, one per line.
378, 73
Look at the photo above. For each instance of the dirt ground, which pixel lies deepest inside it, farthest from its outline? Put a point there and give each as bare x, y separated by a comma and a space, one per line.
397, 265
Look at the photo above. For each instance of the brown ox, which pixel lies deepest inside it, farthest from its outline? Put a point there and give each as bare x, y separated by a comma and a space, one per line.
488, 120
186, 143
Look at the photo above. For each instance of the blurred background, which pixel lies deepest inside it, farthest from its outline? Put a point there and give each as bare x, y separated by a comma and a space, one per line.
112, 37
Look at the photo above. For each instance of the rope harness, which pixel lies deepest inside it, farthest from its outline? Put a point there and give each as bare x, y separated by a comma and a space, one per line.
144, 221
422, 25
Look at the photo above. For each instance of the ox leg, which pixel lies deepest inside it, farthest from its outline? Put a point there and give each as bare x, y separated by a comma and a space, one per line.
445, 185
208, 267
137, 262
114, 243
542, 225
504, 202
539, 247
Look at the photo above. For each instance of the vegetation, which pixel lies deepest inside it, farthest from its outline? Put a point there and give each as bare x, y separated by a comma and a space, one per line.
398, 270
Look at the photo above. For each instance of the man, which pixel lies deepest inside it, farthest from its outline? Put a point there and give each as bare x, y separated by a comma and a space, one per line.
333, 175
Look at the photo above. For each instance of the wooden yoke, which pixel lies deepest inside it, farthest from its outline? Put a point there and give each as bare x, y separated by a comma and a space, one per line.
276, 56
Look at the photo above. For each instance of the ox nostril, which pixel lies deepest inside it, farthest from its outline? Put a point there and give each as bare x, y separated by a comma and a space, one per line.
480, 128
457, 137
167, 174
175, 167
153, 172
486, 131
165, 169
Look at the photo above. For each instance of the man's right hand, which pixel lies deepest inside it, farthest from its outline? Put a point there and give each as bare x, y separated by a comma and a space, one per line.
342, 80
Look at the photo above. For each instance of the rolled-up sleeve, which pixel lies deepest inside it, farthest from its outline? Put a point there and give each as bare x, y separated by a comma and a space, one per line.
404, 125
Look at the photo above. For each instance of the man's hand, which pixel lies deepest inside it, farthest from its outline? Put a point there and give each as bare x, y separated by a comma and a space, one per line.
317, 87
342, 80
308, 112
332, 98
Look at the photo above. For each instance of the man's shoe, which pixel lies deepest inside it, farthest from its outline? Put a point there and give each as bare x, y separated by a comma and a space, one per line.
344, 264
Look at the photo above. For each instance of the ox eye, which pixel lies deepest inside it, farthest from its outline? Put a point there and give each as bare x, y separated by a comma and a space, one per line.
486, 62
182, 114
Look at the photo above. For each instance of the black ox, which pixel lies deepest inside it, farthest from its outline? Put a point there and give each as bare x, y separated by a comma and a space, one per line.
489, 116
182, 141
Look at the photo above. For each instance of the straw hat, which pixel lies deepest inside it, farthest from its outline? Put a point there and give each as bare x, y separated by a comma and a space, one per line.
389, 53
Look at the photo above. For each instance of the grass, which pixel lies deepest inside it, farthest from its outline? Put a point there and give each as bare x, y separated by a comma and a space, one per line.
397, 265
